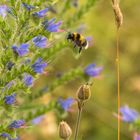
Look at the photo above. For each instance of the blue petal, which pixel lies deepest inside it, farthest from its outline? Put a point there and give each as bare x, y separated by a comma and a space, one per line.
21, 50
54, 27
51, 26
15, 48
93, 71
40, 41
10, 99
17, 124
28, 79
5, 135
65, 104
51, 21
28, 7
37, 120
90, 66
129, 115
39, 66
41, 13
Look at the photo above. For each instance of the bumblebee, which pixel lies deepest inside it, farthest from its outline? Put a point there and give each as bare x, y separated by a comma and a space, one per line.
78, 40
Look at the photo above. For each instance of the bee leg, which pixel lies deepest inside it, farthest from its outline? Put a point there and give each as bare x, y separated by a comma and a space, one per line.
74, 45
80, 49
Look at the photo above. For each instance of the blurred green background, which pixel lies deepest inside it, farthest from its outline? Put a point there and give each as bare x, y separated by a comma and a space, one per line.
98, 122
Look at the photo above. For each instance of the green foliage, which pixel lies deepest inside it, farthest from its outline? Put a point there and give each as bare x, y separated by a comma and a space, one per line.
32, 111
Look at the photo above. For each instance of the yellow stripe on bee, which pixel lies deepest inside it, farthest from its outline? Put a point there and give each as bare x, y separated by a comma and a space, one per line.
82, 39
75, 35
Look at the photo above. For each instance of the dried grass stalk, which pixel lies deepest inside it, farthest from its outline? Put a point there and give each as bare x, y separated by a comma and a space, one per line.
117, 12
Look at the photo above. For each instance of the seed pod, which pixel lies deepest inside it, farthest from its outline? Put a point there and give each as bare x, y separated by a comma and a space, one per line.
118, 13
84, 92
64, 130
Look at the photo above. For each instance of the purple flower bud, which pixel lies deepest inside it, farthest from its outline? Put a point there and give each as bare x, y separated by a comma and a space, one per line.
8, 86
128, 115
41, 13
3, 10
9, 65
21, 50
28, 80
92, 70
66, 104
39, 66
17, 124
10, 99
4, 135
27, 7
40, 41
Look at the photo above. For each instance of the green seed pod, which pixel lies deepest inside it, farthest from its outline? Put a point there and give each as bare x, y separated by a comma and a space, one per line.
84, 92
64, 130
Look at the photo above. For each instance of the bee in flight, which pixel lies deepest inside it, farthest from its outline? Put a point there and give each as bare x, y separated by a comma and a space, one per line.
78, 40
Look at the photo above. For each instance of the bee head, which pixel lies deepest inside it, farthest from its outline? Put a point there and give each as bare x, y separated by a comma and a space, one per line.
69, 35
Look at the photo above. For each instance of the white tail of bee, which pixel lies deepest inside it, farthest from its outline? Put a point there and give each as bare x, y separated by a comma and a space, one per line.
86, 47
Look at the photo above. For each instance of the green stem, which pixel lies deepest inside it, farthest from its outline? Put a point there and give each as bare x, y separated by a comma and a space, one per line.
78, 123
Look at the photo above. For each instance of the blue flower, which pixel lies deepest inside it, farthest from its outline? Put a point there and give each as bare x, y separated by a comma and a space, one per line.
37, 120
3, 10
10, 99
5, 135
39, 66
21, 50
66, 104
128, 115
41, 13
51, 26
28, 80
40, 41
92, 70
28, 7
17, 124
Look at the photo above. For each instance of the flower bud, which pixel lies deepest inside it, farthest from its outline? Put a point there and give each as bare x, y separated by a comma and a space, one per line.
84, 92
64, 130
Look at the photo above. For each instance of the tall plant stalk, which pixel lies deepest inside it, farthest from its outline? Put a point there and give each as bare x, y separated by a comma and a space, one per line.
118, 81
119, 21
78, 123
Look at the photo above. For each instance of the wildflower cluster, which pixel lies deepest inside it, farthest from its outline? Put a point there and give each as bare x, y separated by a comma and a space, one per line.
20, 62
27, 30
